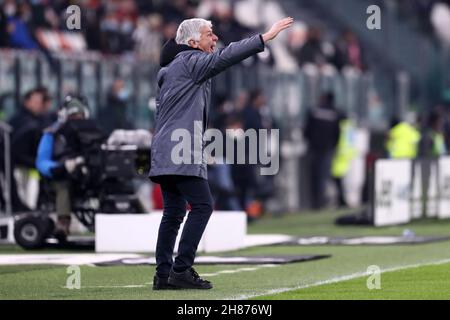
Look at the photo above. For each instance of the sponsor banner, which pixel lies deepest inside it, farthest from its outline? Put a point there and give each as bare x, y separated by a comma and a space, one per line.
392, 192
444, 188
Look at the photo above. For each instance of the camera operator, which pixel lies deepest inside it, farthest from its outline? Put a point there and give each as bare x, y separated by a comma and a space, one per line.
61, 153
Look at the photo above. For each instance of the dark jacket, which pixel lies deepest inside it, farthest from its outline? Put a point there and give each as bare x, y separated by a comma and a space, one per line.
183, 99
311, 52
27, 131
322, 129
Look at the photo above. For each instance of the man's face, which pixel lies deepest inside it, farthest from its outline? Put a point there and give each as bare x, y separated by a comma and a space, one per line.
208, 40
35, 103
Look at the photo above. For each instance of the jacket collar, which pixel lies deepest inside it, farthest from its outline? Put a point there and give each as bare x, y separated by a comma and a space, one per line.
170, 50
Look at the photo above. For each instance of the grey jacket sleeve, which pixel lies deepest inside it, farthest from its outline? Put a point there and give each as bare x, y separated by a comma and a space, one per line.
203, 66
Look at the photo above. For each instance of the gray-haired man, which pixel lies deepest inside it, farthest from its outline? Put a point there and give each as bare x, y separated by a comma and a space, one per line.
184, 87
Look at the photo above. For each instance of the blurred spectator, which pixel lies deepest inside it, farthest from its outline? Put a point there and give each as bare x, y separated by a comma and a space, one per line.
222, 187
27, 125
344, 154
349, 52
221, 111
115, 114
446, 115
169, 31
238, 185
146, 7
29, 115
177, 10
226, 27
311, 51
118, 26
220, 176
322, 133
241, 101
251, 190
92, 17
256, 114
18, 18
297, 37
2, 109
148, 37
45, 13
243, 175
402, 140
49, 116
432, 143
3, 28
447, 127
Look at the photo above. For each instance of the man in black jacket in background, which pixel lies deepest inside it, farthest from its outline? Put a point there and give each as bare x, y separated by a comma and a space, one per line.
27, 125
322, 133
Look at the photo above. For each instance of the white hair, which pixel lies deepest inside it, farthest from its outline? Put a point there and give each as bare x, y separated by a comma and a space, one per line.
190, 30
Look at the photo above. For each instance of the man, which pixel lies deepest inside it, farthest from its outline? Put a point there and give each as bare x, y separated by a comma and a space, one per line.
184, 87
322, 133
114, 115
344, 154
60, 154
432, 143
50, 116
251, 187
27, 125
403, 140
311, 51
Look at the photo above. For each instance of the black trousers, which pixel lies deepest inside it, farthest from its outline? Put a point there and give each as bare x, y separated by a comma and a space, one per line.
320, 174
340, 192
177, 191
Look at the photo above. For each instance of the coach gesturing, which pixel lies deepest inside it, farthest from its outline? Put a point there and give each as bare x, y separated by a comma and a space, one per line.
184, 88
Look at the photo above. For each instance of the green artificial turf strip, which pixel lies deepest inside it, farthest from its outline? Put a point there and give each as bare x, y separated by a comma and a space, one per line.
37, 282
421, 283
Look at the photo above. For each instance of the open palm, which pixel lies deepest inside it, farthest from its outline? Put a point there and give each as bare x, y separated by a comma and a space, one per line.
277, 28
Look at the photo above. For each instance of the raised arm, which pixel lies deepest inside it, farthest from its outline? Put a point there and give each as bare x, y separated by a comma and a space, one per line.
204, 66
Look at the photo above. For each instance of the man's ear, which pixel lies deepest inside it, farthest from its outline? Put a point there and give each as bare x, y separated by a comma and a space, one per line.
193, 44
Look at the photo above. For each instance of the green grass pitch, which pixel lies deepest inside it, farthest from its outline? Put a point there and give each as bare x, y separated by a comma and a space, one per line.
420, 271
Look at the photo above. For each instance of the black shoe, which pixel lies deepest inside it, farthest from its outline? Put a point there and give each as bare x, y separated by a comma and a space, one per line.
188, 279
162, 284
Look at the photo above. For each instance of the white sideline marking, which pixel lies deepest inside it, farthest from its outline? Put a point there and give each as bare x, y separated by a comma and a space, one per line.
111, 287
335, 280
238, 270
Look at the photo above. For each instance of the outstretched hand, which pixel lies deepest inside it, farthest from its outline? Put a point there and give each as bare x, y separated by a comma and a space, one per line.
277, 28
